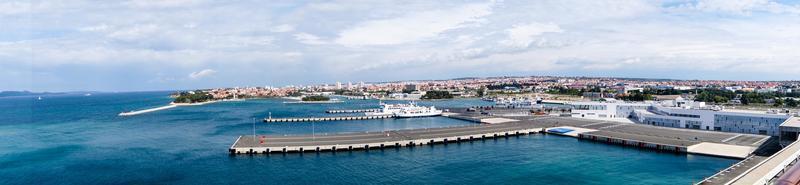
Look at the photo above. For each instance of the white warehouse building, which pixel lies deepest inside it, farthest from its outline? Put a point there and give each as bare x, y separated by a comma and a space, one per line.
682, 113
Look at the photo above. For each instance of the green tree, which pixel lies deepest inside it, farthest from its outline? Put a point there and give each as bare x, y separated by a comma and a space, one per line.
316, 98
720, 99
437, 95
791, 102
778, 102
193, 97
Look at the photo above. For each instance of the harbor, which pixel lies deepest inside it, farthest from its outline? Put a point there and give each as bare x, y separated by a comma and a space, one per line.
755, 151
177, 138
729, 145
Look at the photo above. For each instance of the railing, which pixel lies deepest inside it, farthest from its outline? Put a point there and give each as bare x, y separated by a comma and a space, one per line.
772, 174
775, 170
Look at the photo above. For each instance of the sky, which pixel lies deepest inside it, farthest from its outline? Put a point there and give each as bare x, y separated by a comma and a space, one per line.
139, 45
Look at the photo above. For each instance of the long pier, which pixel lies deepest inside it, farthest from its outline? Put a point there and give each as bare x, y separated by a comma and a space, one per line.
343, 118
676, 140
351, 111
249, 144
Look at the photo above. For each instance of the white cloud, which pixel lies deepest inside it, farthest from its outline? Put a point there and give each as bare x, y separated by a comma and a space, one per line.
282, 28
522, 35
412, 27
135, 32
161, 3
423, 39
202, 73
736, 6
741, 7
293, 54
309, 39
97, 28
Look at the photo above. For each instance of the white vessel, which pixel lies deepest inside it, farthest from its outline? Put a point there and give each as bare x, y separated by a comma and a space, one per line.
406, 110
417, 111
388, 109
518, 102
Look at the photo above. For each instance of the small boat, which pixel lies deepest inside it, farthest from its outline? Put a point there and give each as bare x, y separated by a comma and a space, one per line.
40, 98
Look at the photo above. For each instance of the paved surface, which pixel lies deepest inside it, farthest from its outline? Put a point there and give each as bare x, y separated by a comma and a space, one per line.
378, 137
644, 133
765, 171
734, 170
575, 130
724, 150
497, 120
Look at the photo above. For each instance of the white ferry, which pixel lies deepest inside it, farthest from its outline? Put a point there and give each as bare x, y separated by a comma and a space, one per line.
417, 111
518, 102
405, 110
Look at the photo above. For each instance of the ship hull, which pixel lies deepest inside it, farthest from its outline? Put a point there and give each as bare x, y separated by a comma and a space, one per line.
418, 115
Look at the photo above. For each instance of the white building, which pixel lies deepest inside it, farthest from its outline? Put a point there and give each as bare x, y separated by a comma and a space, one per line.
606, 109
682, 113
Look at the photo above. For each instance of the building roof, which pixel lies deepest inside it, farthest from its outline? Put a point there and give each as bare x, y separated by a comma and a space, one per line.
667, 97
792, 122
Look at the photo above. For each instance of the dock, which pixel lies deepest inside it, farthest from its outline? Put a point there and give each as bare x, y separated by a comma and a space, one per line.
342, 118
249, 144
675, 140
351, 111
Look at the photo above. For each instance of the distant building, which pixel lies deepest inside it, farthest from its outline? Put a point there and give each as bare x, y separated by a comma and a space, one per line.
628, 89
411, 87
607, 109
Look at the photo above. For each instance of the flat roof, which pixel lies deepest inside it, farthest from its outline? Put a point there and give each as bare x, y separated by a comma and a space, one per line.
792, 122
755, 112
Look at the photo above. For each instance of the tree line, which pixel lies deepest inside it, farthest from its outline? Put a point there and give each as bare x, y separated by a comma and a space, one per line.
193, 97
437, 95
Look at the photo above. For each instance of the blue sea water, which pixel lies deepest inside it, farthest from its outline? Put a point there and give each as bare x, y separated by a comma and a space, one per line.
76, 139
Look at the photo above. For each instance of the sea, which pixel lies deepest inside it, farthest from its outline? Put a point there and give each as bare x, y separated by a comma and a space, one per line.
79, 139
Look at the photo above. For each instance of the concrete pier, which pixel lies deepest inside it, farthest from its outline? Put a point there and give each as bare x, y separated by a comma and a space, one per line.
677, 140
351, 111
375, 140
344, 118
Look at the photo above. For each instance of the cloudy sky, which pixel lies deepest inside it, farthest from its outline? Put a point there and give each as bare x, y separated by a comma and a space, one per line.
183, 44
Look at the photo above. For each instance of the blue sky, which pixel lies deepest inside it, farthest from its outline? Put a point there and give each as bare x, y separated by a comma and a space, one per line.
183, 44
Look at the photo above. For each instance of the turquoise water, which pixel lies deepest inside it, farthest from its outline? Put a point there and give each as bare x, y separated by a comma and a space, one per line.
76, 139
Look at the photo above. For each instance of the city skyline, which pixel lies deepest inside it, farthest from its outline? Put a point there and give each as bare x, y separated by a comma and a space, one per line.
168, 45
